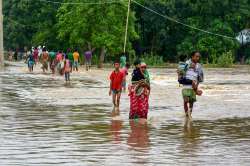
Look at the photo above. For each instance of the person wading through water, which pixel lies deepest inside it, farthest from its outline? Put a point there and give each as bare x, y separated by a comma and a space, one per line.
44, 60
139, 93
116, 80
190, 78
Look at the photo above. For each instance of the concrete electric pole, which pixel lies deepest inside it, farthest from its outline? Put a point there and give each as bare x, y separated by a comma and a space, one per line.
126, 29
1, 35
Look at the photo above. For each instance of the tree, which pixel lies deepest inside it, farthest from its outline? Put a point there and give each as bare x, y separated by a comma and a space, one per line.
101, 26
28, 23
161, 36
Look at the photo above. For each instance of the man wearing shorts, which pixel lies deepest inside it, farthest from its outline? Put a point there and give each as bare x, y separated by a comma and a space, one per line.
188, 91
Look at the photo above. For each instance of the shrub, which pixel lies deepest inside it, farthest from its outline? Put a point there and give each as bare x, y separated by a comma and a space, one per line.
226, 59
152, 60
95, 59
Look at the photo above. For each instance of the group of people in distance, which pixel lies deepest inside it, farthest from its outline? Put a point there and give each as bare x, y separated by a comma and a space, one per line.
190, 75
62, 63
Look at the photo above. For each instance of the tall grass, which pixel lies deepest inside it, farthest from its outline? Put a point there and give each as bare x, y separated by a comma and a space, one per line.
226, 60
153, 60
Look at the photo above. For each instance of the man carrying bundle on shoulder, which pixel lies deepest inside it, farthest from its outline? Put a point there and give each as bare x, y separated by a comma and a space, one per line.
190, 75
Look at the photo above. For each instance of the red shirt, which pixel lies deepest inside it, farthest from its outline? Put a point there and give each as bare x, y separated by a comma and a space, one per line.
116, 78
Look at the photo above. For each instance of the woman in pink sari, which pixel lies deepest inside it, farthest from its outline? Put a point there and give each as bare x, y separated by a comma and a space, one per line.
139, 93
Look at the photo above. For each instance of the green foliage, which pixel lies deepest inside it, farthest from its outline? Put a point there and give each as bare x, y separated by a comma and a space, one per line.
95, 60
59, 26
95, 25
29, 23
164, 37
226, 59
153, 60
248, 61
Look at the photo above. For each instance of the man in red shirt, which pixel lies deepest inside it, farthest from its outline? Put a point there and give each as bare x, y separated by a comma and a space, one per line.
116, 80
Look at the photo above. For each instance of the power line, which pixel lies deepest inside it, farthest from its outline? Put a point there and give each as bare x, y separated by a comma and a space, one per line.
20, 24
178, 22
80, 3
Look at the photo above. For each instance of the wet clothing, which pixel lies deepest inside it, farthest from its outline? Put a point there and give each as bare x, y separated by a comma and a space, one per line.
138, 103
70, 57
67, 67
182, 69
59, 57
116, 79
88, 58
139, 95
36, 55
123, 60
191, 74
52, 55
116, 91
198, 69
76, 56
45, 58
75, 64
147, 76
30, 61
124, 71
52, 61
189, 94
137, 75
88, 55
67, 76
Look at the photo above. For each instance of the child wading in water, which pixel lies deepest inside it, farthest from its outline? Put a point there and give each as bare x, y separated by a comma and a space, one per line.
67, 69
116, 80
125, 73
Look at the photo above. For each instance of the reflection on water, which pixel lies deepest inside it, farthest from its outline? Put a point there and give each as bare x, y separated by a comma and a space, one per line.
138, 138
44, 122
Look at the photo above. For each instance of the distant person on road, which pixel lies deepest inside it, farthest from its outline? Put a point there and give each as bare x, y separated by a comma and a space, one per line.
116, 80
44, 60
52, 61
67, 69
123, 61
36, 55
71, 58
60, 62
125, 73
88, 58
30, 61
10, 55
15, 54
76, 57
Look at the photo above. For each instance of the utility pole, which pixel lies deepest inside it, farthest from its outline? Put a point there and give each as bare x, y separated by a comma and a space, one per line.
1, 35
126, 30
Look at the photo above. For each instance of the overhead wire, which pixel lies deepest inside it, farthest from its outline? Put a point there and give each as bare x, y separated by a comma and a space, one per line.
81, 3
147, 8
181, 23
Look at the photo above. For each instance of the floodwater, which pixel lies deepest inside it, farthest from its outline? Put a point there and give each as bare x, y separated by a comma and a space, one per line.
45, 122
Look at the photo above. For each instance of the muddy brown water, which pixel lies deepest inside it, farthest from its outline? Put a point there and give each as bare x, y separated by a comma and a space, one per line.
45, 122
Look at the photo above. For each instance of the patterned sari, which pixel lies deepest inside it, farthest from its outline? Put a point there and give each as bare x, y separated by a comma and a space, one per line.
139, 97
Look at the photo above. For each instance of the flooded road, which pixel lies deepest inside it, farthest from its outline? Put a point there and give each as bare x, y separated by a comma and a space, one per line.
45, 122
